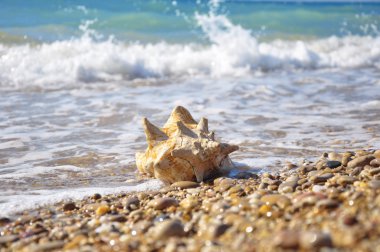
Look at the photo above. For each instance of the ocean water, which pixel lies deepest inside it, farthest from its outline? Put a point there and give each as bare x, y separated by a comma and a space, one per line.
285, 80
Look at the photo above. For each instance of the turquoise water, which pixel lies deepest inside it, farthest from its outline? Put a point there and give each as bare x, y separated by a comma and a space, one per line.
173, 21
283, 80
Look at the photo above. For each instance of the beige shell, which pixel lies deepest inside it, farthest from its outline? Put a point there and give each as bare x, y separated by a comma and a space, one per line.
182, 149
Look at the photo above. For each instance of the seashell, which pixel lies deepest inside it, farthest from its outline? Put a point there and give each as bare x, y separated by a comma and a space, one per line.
182, 150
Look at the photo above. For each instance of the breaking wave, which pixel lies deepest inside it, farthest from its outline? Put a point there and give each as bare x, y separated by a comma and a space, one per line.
231, 51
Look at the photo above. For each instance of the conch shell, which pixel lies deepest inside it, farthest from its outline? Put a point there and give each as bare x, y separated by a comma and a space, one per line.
182, 150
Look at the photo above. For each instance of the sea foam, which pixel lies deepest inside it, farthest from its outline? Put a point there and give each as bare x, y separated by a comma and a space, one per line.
231, 51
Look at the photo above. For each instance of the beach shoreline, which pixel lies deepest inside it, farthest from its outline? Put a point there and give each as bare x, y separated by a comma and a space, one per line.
332, 203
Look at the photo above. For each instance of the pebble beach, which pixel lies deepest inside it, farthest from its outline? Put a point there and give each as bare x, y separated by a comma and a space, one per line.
331, 204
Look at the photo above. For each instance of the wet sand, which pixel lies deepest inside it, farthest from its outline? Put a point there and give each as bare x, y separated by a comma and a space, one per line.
331, 204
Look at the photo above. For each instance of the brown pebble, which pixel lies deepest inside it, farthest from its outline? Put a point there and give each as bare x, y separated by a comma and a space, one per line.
162, 203
360, 161
375, 162
4, 221
49, 246
374, 171
184, 184
287, 187
349, 220
322, 178
118, 218
276, 199
328, 204
217, 230
344, 180
315, 240
69, 206
374, 184
8, 238
96, 196
287, 239
169, 228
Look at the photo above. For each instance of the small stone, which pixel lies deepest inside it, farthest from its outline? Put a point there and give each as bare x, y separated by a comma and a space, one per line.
287, 187
189, 203
333, 164
118, 218
318, 188
315, 240
217, 230
349, 220
169, 228
322, 178
246, 175
69, 206
8, 238
374, 171
377, 154
96, 196
375, 162
360, 161
356, 171
132, 203
374, 184
102, 210
49, 246
328, 204
162, 203
276, 199
344, 180
184, 184
287, 239
4, 221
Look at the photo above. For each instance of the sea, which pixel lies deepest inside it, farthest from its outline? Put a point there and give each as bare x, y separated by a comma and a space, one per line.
284, 80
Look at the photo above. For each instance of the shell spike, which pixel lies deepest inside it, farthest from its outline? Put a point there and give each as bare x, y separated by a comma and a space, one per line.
152, 132
179, 113
229, 148
185, 131
203, 125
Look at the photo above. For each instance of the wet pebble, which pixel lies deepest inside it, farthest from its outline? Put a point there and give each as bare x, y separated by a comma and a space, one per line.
184, 184
287, 187
163, 203
246, 175
375, 162
360, 161
69, 206
328, 204
287, 239
333, 164
169, 228
374, 184
276, 199
217, 230
374, 171
315, 240
132, 203
4, 221
344, 180
96, 196
322, 178
102, 210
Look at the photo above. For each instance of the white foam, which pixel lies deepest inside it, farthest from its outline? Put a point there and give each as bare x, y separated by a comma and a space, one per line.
33, 198
232, 51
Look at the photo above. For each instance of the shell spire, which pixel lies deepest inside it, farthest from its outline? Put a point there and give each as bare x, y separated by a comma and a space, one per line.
183, 149
153, 133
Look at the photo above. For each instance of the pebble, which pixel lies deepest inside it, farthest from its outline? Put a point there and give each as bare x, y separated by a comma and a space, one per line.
344, 180
4, 221
69, 206
328, 204
169, 228
184, 184
217, 230
287, 187
189, 203
132, 203
102, 210
276, 199
333, 164
49, 246
8, 238
246, 175
163, 203
321, 178
315, 240
375, 162
96, 196
374, 171
360, 161
118, 218
287, 239
374, 184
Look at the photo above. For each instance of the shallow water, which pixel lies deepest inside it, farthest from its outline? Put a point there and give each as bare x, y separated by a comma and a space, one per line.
71, 107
